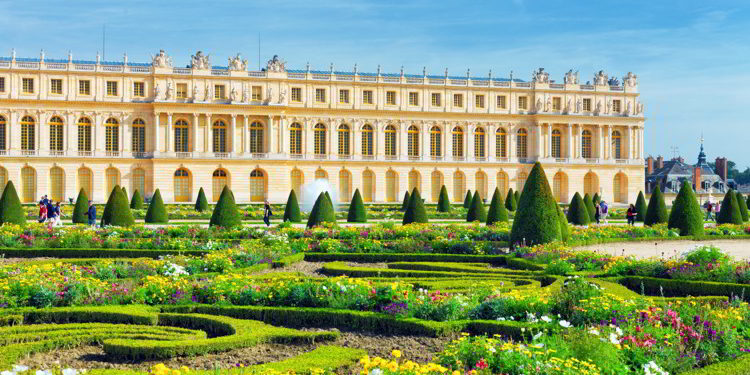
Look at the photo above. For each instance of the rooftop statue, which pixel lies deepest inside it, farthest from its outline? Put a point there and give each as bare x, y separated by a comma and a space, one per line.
237, 63
162, 60
614, 81
571, 78
630, 80
276, 64
540, 76
601, 78
200, 61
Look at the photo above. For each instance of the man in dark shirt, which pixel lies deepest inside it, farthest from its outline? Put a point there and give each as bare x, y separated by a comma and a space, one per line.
92, 213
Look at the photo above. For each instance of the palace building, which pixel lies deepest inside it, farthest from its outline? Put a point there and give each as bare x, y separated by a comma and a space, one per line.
68, 124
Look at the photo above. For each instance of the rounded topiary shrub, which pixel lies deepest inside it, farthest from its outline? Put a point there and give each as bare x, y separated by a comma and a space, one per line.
117, 210
743, 206
640, 207
686, 214
136, 202
730, 210
467, 199
322, 212
225, 212
357, 213
590, 209
125, 193
10, 206
596, 198
444, 203
415, 212
476, 210
291, 210
656, 213
510, 201
517, 197
201, 204
537, 220
81, 209
497, 212
156, 213
405, 202
578, 214
564, 226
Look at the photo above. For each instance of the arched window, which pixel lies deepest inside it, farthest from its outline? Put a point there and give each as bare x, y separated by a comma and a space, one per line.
479, 143
112, 135
437, 185
344, 189
522, 149
560, 187
436, 142
620, 188
3, 144
113, 179
556, 143
412, 140
257, 186
3, 179
139, 137
502, 183
521, 181
256, 138
590, 184
480, 180
391, 186
415, 181
616, 145
84, 134
182, 136
295, 139
321, 175
55, 134
182, 185
344, 140
501, 143
28, 185
28, 133
320, 139
138, 179
586, 144
85, 182
367, 140
458, 142
459, 187
368, 182
56, 184
390, 140
218, 181
220, 136
298, 180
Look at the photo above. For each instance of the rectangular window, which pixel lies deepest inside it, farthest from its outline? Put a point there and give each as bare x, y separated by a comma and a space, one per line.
84, 87
479, 101
344, 96
2, 84
182, 92
257, 93
616, 106
219, 92
367, 97
139, 90
458, 100
28, 85
556, 104
55, 86
587, 105
320, 95
523, 102
413, 98
435, 99
390, 97
111, 88
297, 94
501, 102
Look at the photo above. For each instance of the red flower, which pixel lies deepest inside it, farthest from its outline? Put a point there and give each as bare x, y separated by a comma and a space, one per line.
482, 364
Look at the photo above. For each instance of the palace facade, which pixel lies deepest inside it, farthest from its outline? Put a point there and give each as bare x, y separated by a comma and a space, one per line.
67, 125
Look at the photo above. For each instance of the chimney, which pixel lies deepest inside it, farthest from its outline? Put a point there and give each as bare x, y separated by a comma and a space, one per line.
721, 168
660, 162
697, 178
649, 165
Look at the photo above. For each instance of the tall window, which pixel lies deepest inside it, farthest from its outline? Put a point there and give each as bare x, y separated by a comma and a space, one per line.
182, 185
502, 182
85, 181
112, 135
2, 84
111, 88
556, 143
436, 139
391, 186
367, 137
56, 134
501, 143
139, 137
182, 91
256, 137
458, 100
297, 181
220, 92
181, 136
558, 187
480, 182
556, 103
84, 87
458, 142
344, 96
412, 141
521, 181
414, 181
390, 140
616, 106
368, 180
297, 94
138, 179
414, 98
3, 145
3, 179
27, 85
220, 136
84, 134
113, 179
344, 139
218, 181
521, 144
257, 186
586, 144
321, 175
523, 102
479, 143
56, 86
479, 101
587, 105
367, 97
28, 185
390, 97
616, 145
57, 184
501, 102
437, 185
319, 139
436, 99
295, 139
320, 95
139, 89
28, 133
256, 93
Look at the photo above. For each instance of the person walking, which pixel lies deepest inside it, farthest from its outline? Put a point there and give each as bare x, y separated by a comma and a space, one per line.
58, 215
604, 211
51, 215
42, 212
92, 213
597, 213
709, 210
631, 215
267, 213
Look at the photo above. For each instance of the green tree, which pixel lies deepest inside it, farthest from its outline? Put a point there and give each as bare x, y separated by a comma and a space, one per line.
322, 212
589, 203
510, 201
136, 203
564, 227
405, 202
117, 210
537, 220
444, 203
225, 213
497, 212
656, 213
730, 210
357, 213
517, 197
743, 206
578, 214
81, 209
476, 210
686, 214
125, 192
640, 207
291, 210
10, 206
596, 199
201, 204
467, 199
415, 212
156, 213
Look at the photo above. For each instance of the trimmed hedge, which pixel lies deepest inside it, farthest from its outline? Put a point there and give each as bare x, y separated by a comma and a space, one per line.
511, 204
136, 203
201, 203
324, 357
743, 206
578, 212
536, 221
739, 366
590, 209
225, 213
156, 213
444, 203
92, 253
415, 212
81, 209
497, 212
405, 202
730, 210
656, 213
476, 210
117, 210
322, 212
640, 208
686, 214
467, 199
683, 288
564, 227
596, 199
291, 209
357, 213
10, 206
500, 260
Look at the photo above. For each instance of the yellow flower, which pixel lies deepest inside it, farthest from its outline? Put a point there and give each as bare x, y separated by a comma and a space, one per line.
396, 353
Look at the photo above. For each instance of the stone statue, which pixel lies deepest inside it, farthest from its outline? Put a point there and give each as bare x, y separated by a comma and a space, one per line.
208, 94
571, 78
276, 64
157, 91
579, 105
234, 95
614, 81
598, 106
539, 105
569, 107
269, 94
162, 60
200, 61
540, 76
245, 95
195, 92
237, 63
282, 96
609, 106
548, 105
630, 80
639, 108
629, 108
169, 90
600, 78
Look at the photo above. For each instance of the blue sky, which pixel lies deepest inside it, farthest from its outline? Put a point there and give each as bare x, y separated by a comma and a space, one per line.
692, 57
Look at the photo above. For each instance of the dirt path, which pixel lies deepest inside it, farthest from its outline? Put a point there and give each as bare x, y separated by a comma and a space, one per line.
739, 249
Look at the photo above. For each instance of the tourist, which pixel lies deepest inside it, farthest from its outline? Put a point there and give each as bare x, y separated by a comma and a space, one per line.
58, 215
267, 213
631, 215
604, 211
92, 213
597, 213
709, 210
42, 212
51, 215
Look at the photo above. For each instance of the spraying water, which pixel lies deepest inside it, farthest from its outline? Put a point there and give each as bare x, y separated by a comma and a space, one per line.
311, 191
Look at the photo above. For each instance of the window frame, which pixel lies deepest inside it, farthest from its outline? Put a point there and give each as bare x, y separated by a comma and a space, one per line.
296, 95
139, 89
479, 101
435, 99
413, 98
27, 86
54, 82
320, 95
391, 98
368, 97
84, 87
458, 100
111, 89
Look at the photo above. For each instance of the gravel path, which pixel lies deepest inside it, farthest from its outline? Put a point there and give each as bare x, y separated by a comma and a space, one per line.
739, 249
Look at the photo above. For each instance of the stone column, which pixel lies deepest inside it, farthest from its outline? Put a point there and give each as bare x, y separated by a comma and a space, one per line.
169, 138
193, 133
157, 119
600, 143
209, 139
308, 148
233, 133
357, 143
98, 136
402, 140
380, 143
447, 142
283, 141
470, 146
538, 130
491, 143
127, 136
69, 123
273, 146
569, 141
42, 133
610, 149
425, 151
511, 142
630, 143
245, 136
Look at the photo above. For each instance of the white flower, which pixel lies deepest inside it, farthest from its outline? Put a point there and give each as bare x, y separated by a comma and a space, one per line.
69, 371
652, 368
501, 319
376, 371
565, 324
546, 318
343, 289
7, 373
43, 372
619, 331
20, 368
594, 332
613, 339
538, 335
492, 349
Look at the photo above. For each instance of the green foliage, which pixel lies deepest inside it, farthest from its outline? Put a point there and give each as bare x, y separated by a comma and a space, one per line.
656, 213
322, 212
564, 227
68, 253
653, 286
730, 210
117, 210
748, 201
444, 203
415, 212
136, 202
537, 220
323, 357
201, 204
467, 199
743, 206
405, 203
357, 213
497, 212
291, 210
125, 192
225, 212
686, 214
578, 213
156, 213
590, 209
81, 209
517, 197
10, 206
596, 199
476, 211
511, 204
640, 207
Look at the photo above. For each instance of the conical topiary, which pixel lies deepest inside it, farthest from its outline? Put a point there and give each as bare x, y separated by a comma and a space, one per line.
640, 207
596, 198
225, 212
291, 210
322, 212
476, 211
467, 199
156, 213
578, 214
444, 203
537, 220
730, 210
497, 212
415, 213
10, 206
748, 201
405, 202
564, 227
117, 210
81, 209
590, 209
656, 213
686, 214
517, 197
357, 213
510, 201
201, 204
743, 206
136, 203
125, 192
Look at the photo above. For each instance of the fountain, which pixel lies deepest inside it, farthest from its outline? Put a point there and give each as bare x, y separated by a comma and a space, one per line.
311, 191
